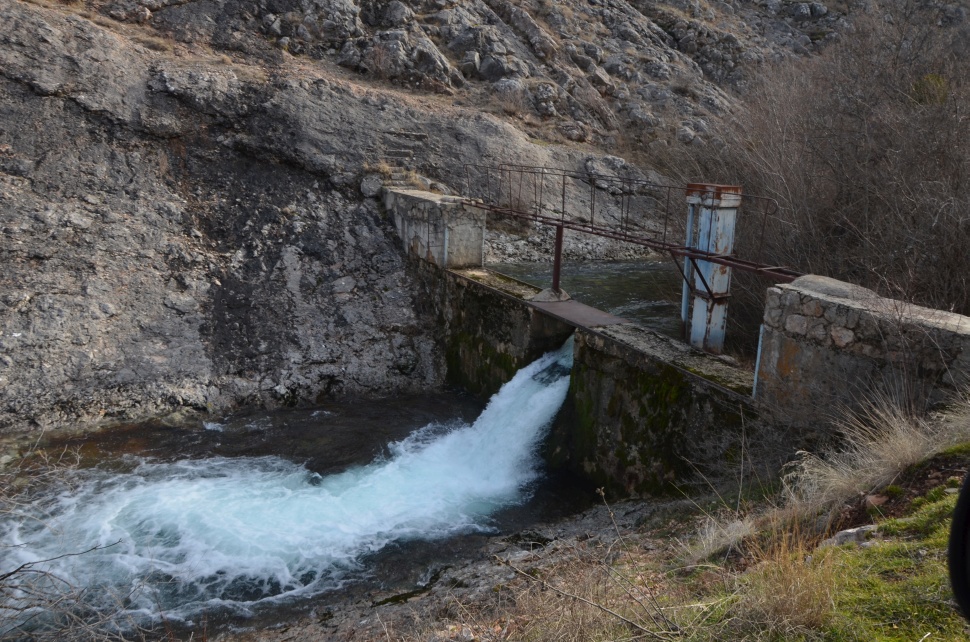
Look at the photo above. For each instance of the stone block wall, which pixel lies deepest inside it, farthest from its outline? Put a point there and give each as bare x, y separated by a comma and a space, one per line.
486, 333
443, 230
645, 412
827, 344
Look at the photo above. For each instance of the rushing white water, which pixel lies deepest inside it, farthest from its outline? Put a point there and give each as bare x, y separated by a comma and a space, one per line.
179, 538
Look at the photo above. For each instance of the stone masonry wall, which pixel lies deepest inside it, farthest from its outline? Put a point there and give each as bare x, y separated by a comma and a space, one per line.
826, 344
645, 412
486, 332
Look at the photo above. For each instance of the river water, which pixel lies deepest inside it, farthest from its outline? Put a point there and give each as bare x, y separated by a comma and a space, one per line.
647, 292
247, 515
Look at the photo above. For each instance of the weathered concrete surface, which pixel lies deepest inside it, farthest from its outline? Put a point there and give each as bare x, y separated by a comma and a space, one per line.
443, 230
826, 343
487, 329
578, 314
645, 411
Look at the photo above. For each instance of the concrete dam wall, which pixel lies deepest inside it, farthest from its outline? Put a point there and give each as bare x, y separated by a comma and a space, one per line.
645, 410
641, 407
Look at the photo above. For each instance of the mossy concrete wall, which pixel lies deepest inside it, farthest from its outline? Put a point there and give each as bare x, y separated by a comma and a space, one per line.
646, 412
488, 330
827, 344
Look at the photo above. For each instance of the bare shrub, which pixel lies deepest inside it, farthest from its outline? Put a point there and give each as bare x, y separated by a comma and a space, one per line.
380, 61
385, 59
866, 148
514, 103
591, 100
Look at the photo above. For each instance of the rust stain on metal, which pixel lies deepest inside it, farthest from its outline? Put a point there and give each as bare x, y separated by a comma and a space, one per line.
715, 191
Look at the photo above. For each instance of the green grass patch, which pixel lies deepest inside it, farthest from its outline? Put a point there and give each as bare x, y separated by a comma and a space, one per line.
893, 491
960, 451
898, 589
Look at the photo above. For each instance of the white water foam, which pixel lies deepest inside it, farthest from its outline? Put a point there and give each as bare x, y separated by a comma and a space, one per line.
200, 534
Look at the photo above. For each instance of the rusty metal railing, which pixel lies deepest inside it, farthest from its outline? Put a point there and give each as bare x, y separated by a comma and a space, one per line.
631, 210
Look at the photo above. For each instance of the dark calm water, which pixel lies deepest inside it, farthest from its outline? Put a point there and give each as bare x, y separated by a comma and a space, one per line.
647, 292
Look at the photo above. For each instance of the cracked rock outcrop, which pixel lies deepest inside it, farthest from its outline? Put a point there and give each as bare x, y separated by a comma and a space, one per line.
189, 210
182, 231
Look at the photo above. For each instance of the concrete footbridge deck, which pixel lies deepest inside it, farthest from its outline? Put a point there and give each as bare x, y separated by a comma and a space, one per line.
561, 307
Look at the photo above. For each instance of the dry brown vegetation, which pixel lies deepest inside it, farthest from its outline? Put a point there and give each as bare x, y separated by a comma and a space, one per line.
751, 571
878, 442
866, 148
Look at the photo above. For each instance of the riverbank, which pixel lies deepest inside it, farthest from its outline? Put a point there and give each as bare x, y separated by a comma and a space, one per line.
851, 545
859, 557
473, 600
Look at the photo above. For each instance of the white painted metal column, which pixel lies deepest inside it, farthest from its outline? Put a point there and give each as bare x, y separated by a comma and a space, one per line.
692, 202
718, 211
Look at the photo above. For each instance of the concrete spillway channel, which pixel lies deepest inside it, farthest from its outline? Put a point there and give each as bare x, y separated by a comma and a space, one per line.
643, 409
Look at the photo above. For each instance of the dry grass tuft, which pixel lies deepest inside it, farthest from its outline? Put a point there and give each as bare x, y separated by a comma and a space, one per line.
155, 43
789, 590
719, 534
878, 443
382, 167
573, 605
514, 103
594, 103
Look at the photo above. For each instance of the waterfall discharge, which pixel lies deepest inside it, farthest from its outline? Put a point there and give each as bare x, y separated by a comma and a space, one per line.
179, 538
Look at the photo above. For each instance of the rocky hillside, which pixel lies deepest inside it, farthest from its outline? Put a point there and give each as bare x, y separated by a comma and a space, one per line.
608, 71
188, 188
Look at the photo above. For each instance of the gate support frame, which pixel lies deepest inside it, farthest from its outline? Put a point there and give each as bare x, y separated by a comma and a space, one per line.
557, 261
717, 210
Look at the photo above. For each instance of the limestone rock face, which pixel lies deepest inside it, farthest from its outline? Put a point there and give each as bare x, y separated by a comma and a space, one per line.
182, 231
619, 63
